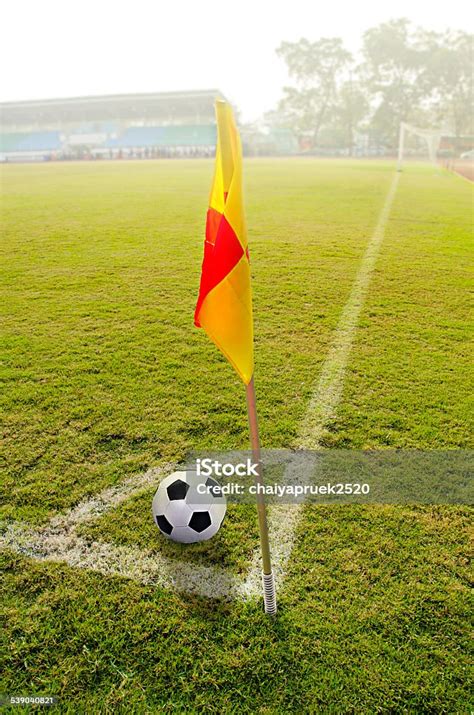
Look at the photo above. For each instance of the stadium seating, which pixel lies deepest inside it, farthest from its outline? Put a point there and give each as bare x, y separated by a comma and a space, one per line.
190, 135
137, 137
9, 142
146, 125
168, 136
131, 138
95, 128
40, 141
30, 142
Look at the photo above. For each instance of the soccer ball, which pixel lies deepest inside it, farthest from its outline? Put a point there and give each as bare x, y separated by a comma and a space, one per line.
183, 514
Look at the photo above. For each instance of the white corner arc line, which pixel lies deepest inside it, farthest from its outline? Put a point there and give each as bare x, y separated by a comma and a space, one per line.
59, 540
144, 566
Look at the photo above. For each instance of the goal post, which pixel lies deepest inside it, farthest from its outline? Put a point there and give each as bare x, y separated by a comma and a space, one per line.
432, 138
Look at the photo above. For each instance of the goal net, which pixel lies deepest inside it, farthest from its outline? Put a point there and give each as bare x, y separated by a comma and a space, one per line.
432, 137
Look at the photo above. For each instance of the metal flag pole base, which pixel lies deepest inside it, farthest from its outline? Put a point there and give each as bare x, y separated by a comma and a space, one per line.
269, 594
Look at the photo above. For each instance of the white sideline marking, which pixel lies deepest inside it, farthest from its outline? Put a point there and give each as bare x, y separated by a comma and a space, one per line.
283, 519
322, 407
59, 541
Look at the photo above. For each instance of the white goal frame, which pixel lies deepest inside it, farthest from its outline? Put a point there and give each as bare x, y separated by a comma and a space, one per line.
431, 136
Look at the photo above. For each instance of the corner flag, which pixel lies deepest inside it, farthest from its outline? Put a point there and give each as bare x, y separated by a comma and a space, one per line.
224, 307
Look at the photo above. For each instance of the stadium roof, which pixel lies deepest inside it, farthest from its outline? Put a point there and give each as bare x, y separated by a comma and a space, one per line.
114, 106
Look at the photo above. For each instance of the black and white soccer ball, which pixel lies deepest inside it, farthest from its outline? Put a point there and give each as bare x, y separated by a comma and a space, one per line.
182, 513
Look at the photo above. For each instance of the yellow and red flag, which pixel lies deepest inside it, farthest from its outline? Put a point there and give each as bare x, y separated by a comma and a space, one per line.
224, 307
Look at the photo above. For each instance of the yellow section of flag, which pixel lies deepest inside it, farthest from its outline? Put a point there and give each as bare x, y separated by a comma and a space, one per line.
224, 307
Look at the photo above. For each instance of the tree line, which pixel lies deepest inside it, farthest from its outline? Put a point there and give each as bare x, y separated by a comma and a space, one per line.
403, 73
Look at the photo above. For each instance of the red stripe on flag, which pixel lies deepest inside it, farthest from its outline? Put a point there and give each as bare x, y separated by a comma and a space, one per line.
212, 225
222, 251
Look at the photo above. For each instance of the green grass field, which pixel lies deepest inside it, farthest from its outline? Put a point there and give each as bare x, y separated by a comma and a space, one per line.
104, 376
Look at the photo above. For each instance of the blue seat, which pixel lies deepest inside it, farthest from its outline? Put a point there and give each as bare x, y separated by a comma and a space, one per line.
39, 141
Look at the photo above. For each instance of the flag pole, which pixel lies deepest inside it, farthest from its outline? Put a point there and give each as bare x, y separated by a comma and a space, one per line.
268, 581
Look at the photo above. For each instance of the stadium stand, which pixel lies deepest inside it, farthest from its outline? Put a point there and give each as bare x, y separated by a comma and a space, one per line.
164, 124
96, 128
161, 124
10, 142
167, 136
30, 142
39, 141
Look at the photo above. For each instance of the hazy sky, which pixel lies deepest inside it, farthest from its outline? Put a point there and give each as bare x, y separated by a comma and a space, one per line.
60, 48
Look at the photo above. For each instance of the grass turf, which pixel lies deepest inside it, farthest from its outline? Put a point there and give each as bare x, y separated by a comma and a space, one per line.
105, 376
